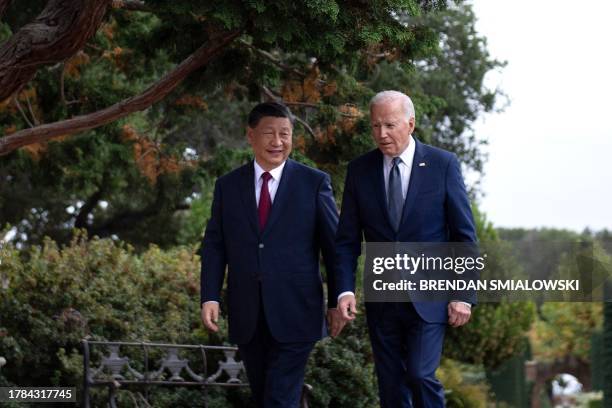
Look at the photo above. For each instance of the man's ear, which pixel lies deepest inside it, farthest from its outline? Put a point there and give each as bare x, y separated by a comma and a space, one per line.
412, 124
249, 134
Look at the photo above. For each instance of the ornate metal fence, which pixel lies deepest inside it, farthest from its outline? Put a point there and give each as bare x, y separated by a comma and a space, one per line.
116, 368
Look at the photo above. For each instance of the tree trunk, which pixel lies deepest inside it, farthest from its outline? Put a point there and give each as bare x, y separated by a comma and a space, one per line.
60, 30
136, 103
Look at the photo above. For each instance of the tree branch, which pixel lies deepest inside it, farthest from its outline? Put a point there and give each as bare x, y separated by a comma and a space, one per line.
305, 125
60, 30
318, 106
20, 109
275, 98
271, 94
153, 94
274, 60
34, 118
303, 104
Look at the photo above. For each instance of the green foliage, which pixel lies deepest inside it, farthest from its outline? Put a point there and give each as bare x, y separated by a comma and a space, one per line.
565, 329
460, 392
447, 84
5, 31
496, 331
494, 334
341, 370
57, 296
140, 178
508, 383
607, 354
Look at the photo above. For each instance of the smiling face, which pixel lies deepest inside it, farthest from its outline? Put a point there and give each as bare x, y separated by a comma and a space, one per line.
391, 127
271, 141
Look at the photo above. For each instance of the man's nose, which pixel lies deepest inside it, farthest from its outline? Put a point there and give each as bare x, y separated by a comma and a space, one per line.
276, 140
382, 134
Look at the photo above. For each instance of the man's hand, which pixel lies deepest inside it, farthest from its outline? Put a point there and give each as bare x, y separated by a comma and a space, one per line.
458, 314
346, 304
210, 315
335, 322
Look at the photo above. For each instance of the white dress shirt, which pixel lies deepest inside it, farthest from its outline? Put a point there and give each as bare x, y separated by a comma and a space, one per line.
405, 167
273, 183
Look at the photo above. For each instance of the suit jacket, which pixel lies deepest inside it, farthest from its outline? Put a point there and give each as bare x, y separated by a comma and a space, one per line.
279, 264
436, 209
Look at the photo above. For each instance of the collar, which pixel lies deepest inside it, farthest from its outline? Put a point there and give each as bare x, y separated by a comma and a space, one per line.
276, 172
407, 155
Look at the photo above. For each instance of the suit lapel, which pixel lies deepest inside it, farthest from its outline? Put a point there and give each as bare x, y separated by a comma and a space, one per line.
282, 195
379, 182
247, 190
416, 178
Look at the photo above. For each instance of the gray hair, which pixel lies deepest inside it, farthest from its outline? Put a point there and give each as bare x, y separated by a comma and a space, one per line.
388, 96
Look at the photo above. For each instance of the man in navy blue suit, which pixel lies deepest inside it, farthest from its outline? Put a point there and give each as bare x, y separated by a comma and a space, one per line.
403, 191
270, 221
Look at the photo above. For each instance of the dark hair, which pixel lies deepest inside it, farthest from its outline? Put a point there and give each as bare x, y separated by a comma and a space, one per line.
275, 109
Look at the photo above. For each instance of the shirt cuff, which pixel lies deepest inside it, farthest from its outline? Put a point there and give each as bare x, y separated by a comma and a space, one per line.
465, 303
210, 301
345, 293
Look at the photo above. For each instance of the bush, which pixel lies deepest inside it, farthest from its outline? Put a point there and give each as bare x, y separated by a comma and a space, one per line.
98, 289
341, 370
104, 290
494, 334
461, 393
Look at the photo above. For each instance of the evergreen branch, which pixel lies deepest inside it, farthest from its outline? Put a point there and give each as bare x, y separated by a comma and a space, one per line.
318, 106
151, 95
32, 114
305, 125
275, 98
274, 60
25, 117
303, 104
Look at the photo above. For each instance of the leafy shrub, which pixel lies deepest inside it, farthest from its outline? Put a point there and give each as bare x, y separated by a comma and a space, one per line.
461, 393
104, 290
98, 289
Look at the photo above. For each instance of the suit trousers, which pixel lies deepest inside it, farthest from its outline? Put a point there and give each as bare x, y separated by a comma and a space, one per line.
407, 352
275, 370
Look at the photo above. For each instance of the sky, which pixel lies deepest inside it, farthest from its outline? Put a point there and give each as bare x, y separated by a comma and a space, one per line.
550, 150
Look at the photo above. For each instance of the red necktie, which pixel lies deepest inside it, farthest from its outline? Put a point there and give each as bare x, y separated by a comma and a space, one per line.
265, 203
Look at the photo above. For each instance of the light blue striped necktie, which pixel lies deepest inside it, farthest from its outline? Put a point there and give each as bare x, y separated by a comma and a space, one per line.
394, 194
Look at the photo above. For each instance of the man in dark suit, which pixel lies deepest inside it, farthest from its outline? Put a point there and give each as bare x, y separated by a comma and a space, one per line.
403, 191
270, 220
